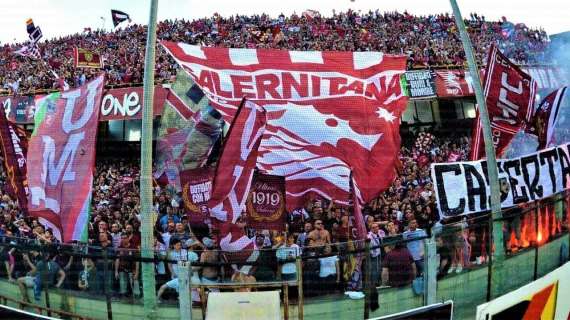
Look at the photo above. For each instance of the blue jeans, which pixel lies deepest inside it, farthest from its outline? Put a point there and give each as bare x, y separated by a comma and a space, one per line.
419, 267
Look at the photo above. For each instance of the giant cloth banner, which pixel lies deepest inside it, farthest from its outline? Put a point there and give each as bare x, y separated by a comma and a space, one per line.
509, 93
463, 187
328, 112
14, 142
61, 158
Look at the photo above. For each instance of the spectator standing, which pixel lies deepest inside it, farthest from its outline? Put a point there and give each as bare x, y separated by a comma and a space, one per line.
329, 271
287, 252
398, 267
375, 236
416, 247
303, 238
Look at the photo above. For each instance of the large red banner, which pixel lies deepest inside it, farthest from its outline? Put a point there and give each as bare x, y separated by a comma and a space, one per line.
61, 158
509, 94
14, 142
265, 205
328, 112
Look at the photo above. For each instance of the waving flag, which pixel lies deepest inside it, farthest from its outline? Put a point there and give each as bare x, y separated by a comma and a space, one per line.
83, 58
236, 166
358, 217
14, 143
545, 117
61, 158
119, 16
31, 51
509, 93
189, 129
327, 112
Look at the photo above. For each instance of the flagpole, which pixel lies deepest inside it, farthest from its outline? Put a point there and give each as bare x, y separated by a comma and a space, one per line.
147, 238
497, 252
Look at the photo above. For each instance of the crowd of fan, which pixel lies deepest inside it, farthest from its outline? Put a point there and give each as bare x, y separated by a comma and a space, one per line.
428, 41
321, 230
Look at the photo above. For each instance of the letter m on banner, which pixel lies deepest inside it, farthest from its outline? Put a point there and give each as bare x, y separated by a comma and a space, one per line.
61, 158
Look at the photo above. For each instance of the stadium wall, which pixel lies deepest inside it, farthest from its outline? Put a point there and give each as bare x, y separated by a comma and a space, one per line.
467, 290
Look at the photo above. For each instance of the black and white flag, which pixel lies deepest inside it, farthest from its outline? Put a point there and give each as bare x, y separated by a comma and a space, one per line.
119, 16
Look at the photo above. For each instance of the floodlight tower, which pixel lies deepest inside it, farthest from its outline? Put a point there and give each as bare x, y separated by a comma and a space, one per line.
497, 253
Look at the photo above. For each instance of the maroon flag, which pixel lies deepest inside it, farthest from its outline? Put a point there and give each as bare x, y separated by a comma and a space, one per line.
83, 58
14, 142
545, 117
237, 163
509, 93
327, 113
61, 158
196, 190
266, 203
358, 217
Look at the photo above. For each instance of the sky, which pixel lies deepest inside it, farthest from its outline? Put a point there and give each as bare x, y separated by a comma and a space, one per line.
62, 17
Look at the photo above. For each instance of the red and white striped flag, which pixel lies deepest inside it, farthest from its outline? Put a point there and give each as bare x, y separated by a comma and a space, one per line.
509, 94
237, 163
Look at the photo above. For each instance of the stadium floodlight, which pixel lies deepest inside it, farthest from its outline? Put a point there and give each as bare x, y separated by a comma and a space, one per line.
495, 222
147, 237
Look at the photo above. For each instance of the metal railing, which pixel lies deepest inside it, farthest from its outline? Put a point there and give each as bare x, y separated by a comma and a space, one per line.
100, 282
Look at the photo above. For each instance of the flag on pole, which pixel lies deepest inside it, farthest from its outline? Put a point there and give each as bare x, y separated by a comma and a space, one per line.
236, 166
509, 93
327, 113
119, 16
61, 158
545, 117
83, 58
14, 144
30, 50
357, 211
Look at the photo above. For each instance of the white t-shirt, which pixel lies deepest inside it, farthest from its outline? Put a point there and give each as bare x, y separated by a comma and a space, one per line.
182, 255
288, 253
328, 266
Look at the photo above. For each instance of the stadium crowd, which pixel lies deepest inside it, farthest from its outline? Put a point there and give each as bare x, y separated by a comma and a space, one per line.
428, 41
321, 230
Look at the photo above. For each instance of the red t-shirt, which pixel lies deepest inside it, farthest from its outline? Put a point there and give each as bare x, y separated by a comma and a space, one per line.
399, 263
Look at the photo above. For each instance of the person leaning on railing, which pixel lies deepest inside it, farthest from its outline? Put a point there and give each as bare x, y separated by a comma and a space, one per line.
287, 251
